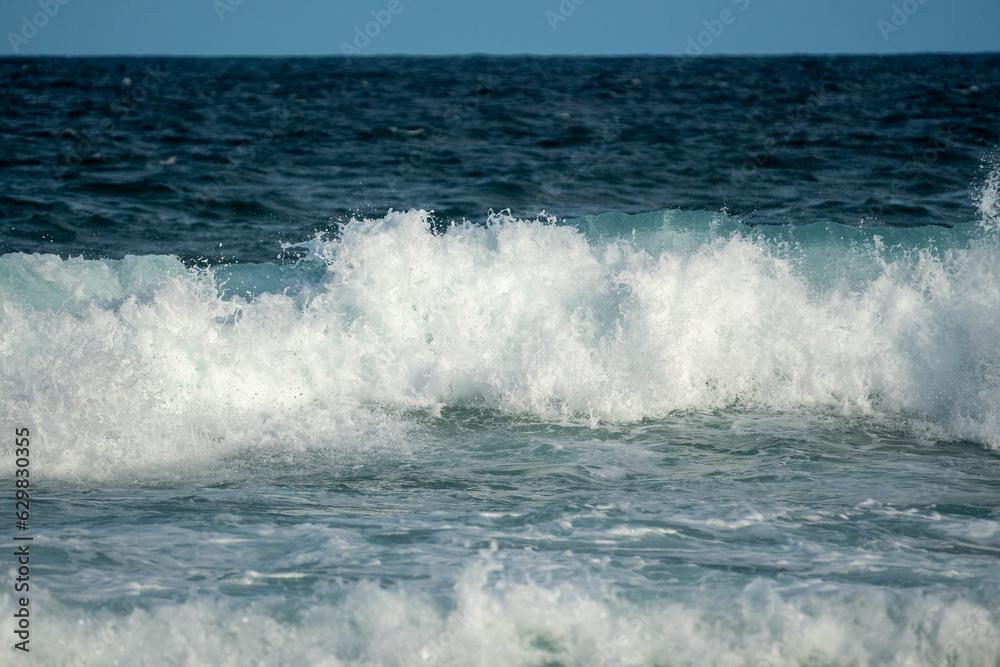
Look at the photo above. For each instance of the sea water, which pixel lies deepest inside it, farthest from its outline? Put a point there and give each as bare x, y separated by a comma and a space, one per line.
345, 384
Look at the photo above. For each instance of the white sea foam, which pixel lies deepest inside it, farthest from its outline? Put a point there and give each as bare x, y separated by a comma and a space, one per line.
987, 197
132, 364
499, 619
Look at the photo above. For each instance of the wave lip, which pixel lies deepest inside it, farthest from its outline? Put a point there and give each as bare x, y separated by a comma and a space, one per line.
616, 318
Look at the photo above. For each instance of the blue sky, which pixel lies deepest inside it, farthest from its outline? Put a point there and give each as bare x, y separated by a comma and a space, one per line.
323, 27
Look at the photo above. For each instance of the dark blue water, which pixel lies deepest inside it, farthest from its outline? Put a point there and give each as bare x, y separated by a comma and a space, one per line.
505, 361
108, 156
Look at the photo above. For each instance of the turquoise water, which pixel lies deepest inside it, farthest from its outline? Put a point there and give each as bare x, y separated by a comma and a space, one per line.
667, 438
299, 395
700, 538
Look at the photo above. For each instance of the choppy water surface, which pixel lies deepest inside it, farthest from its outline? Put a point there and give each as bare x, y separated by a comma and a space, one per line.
276, 422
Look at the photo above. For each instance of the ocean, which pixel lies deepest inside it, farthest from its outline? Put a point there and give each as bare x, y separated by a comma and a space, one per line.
501, 360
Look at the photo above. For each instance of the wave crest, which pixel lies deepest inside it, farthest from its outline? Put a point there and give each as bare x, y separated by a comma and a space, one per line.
615, 318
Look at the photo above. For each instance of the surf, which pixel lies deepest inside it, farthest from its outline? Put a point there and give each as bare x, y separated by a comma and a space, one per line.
615, 318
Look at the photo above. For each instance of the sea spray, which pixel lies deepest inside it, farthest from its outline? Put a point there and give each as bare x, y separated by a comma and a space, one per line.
141, 359
987, 195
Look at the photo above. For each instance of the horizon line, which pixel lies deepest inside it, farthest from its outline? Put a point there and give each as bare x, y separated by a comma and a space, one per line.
363, 56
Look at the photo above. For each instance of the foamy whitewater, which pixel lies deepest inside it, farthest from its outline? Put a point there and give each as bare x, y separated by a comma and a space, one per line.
667, 436
597, 340
141, 362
